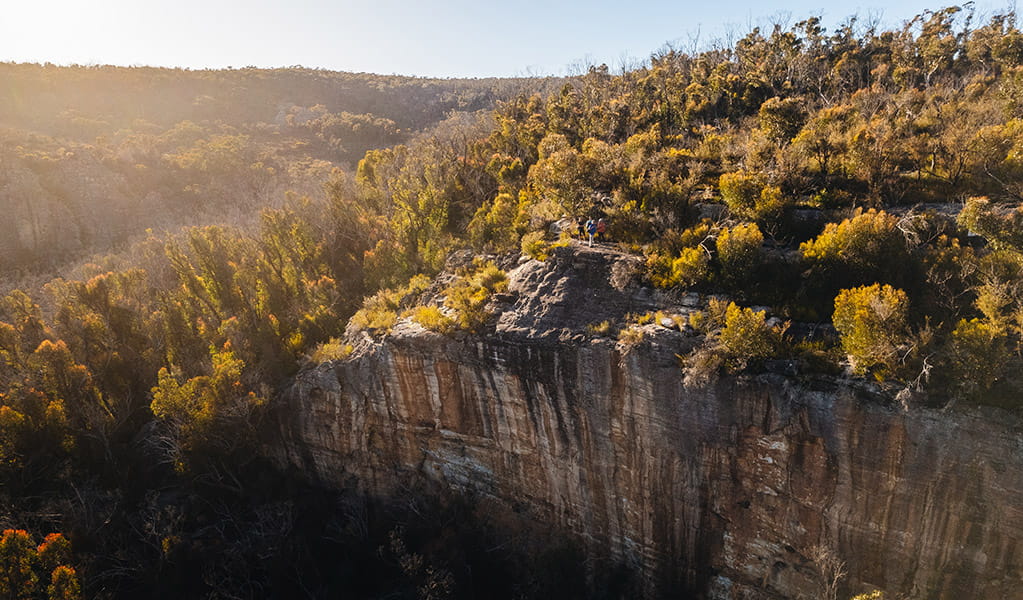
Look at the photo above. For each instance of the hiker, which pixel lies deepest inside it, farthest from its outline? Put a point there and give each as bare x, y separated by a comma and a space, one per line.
580, 229
591, 229
601, 228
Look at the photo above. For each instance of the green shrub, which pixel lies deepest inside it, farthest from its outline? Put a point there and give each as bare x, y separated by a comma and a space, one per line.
871, 322
746, 337
864, 247
709, 320
1002, 232
630, 336
735, 339
781, 119
604, 328
740, 190
769, 204
979, 354
689, 268
433, 319
330, 350
658, 269
469, 294
678, 321
641, 319
379, 312
497, 224
748, 196
739, 252
534, 245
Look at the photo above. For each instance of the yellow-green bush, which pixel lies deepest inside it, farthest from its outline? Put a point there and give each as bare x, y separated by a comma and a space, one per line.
735, 338
602, 328
469, 294
978, 354
498, 224
739, 251
740, 190
332, 349
869, 245
750, 197
690, 267
630, 336
432, 318
379, 312
713, 318
746, 337
871, 322
534, 245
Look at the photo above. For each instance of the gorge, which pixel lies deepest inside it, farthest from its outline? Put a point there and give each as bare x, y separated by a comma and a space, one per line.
720, 492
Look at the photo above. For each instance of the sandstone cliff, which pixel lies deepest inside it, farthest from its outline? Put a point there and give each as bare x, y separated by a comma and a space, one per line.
719, 492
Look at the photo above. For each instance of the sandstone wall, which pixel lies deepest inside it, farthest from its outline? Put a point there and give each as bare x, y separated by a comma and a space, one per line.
721, 492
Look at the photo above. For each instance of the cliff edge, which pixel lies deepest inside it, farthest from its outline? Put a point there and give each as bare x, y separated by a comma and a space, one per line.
721, 492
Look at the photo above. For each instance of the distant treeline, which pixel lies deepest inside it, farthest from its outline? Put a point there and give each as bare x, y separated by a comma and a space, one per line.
92, 156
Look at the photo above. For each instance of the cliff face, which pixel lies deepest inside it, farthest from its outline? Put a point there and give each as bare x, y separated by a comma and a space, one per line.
720, 492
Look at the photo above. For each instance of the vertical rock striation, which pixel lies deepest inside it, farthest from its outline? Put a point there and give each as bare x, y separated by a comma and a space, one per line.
720, 492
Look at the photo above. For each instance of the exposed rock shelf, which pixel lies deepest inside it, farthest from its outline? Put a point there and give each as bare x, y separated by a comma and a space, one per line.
720, 492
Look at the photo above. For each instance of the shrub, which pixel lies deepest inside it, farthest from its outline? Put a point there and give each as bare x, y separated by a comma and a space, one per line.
603, 328
534, 246
1002, 232
641, 319
740, 190
208, 416
630, 336
379, 312
769, 204
469, 294
871, 322
781, 119
433, 319
658, 268
25, 568
866, 246
497, 224
678, 321
978, 354
746, 337
712, 319
691, 267
739, 251
748, 196
736, 338
330, 350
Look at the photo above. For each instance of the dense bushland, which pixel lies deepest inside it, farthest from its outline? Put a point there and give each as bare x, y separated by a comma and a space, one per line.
92, 156
859, 178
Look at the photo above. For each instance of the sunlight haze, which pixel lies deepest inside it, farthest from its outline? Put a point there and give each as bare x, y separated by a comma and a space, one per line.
455, 38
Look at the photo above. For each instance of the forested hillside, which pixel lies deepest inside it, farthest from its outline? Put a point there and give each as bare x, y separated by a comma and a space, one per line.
92, 156
859, 178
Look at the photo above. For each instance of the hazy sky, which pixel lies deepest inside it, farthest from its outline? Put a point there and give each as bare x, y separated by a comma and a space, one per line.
446, 38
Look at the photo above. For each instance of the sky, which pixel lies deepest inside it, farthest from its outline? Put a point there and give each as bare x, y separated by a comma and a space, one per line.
430, 38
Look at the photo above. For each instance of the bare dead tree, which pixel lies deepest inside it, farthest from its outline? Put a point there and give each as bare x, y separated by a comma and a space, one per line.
830, 571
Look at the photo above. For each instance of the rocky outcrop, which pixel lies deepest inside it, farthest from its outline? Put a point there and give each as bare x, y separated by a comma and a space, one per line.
719, 492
